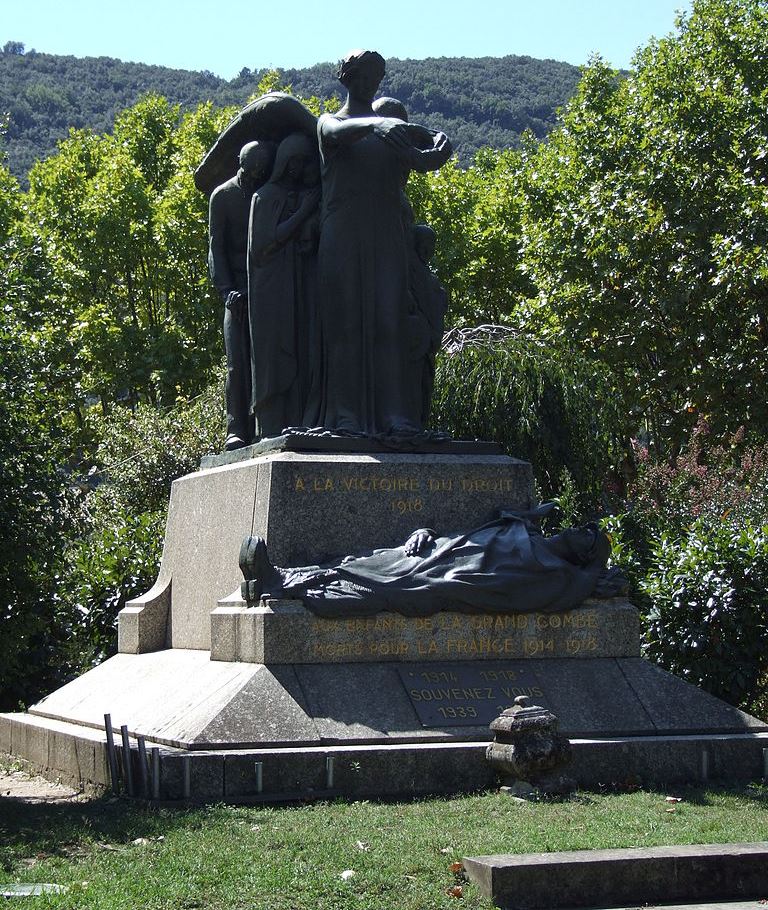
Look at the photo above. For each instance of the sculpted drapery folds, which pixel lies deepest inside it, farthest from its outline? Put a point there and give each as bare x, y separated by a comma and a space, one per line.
504, 566
363, 260
280, 293
229, 211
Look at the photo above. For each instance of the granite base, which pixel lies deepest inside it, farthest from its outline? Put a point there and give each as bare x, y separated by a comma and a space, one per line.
309, 507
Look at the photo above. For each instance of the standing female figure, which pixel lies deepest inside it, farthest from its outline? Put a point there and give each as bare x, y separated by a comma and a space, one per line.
280, 288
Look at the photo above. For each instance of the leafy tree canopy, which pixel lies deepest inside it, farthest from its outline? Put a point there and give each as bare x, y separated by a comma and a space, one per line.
645, 222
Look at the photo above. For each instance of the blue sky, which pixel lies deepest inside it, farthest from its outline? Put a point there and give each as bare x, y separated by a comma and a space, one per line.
223, 36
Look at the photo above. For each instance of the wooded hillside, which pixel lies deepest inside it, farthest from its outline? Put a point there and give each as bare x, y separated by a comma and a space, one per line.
477, 101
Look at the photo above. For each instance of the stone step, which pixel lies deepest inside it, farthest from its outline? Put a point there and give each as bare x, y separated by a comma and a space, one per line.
617, 878
76, 754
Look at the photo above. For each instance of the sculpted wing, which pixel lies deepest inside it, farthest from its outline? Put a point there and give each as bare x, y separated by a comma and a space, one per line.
271, 117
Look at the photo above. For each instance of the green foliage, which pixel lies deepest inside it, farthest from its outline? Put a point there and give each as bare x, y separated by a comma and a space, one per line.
536, 398
693, 542
130, 310
479, 102
117, 560
646, 222
34, 498
117, 554
708, 615
476, 215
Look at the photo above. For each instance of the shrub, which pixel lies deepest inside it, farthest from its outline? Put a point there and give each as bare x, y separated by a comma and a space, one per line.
141, 453
691, 537
540, 401
708, 607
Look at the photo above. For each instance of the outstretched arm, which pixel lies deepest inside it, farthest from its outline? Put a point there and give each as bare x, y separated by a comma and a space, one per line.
433, 157
343, 131
334, 131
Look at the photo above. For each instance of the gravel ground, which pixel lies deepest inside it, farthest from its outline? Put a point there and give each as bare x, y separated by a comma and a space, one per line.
32, 789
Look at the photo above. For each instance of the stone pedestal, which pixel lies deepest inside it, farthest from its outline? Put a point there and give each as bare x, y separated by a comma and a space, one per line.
309, 507
385, 704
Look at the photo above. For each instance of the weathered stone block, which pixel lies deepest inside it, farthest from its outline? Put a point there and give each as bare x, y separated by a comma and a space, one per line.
283, 631
620, 878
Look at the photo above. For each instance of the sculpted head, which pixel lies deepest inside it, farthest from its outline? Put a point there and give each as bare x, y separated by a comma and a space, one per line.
361, 72
390, 107
582, 545
255, 162
424, 239
293, 154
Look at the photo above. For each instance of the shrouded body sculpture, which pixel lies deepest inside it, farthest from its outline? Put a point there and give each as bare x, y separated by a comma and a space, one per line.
504, 566
363, 260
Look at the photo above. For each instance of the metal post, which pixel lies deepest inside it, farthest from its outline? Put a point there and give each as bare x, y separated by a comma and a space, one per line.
127, 769
259, 776
704, 765
143, 775
112, 755
155, 773
187, 776
765, 765
329, 772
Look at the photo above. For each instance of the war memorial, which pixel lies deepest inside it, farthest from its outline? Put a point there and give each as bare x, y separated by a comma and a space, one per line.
348, 600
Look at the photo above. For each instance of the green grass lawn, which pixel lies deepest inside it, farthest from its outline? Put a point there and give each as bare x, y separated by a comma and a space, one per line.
115, 854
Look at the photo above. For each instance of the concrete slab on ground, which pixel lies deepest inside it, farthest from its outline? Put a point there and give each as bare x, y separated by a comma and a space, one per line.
613, 878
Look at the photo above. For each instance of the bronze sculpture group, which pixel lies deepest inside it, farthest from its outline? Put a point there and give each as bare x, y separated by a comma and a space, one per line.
332, 321
332, 314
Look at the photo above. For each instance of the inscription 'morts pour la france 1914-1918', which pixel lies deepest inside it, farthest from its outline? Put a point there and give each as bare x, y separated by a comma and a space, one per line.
332, 313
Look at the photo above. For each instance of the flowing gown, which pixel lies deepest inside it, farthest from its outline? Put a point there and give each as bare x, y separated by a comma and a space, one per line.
363, 290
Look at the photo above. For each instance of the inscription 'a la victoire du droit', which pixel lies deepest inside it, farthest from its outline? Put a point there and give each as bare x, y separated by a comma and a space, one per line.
370, 483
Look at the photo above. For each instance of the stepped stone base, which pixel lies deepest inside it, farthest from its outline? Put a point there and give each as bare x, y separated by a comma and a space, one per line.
77, 755
185, 700
274, 702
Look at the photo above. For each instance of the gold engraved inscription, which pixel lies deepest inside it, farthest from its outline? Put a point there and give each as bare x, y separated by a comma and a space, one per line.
405, 486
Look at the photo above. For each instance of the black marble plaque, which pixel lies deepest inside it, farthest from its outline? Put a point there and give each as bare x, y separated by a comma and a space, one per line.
456, 695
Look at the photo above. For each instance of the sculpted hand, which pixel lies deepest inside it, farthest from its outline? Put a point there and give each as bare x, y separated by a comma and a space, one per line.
418, 541
236, 305
393, 131
310, 200
442, 143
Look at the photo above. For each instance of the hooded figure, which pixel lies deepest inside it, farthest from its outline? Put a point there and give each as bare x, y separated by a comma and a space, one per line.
280, 294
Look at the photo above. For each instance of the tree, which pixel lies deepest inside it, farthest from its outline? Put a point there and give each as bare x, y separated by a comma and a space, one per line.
476, 215
125, 231
34, 495
645, 222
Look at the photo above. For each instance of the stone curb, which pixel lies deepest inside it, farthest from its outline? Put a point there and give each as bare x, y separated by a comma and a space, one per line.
615, 878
